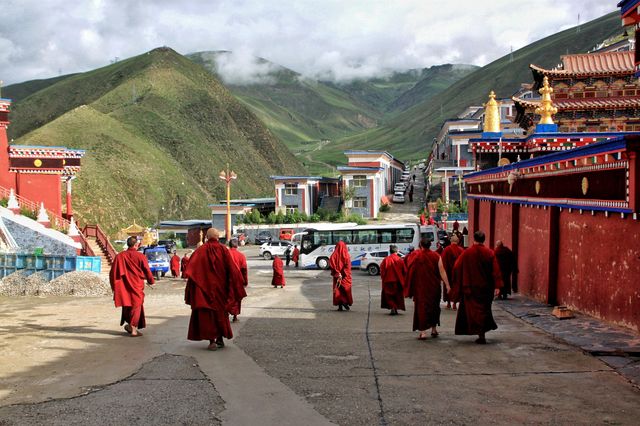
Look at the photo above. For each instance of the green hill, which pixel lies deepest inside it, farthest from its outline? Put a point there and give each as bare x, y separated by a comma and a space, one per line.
409, 134
296, 109
157, 129
19, 91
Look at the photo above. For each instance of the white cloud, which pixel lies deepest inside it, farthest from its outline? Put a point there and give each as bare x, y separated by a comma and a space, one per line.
342, 39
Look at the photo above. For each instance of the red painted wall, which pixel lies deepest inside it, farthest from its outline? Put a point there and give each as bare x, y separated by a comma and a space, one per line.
599, 266
484, 223
41, 188
6, 180
533, 252
504, 224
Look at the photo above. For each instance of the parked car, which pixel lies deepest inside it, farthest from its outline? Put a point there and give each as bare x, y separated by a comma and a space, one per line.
286, 234
400, 186
398, 197
263, 237
273, 248
371, 261
158, 259
170, 245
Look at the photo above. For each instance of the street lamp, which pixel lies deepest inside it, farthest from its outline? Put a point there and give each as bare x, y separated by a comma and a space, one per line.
228, 176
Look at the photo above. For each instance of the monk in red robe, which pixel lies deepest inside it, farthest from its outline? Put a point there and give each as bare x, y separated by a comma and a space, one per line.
392, 272
477, 280
295, 256
423, 219
449, 256
213, 280
175, 265
423, 279
240, 261
508, 268
184, 263
128, 272
340, 265
278, 273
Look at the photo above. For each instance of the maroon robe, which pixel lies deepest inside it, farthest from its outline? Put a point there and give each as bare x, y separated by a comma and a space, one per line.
128, 272
392, 273
423, 280
213, 280
423, 219
278, 273
241, 262
295, 256
449, 256
175, 265
476, 275
508, 268
340, 265
408, 259
184, 263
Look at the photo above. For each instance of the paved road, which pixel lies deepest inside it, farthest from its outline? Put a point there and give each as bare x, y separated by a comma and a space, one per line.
408, 212
294, 361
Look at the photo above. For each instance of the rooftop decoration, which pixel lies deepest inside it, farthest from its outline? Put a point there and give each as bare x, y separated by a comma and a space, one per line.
546, 110
492, 116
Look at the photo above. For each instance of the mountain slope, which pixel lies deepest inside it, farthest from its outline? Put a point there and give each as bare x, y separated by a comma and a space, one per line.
158, 129
294, 108
409, 134
19, 91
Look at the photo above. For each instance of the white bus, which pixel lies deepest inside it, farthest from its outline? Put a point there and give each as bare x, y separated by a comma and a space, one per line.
317, 245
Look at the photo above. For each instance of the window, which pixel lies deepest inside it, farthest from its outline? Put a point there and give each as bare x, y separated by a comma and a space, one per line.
346, 236
321, 238
359, 181
360, 202
404, 235
386, 236
369, 236
290, 209
290, 189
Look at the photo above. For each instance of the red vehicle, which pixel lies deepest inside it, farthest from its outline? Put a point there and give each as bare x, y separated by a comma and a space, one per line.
286, 234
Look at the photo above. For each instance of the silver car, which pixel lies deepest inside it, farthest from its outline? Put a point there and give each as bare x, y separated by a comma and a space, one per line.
274, 248
371, 261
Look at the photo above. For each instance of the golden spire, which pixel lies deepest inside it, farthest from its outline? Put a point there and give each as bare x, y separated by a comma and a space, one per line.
546, 108
492, 115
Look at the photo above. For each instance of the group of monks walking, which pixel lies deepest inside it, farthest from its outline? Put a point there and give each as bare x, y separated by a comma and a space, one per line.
216, 280
217, 276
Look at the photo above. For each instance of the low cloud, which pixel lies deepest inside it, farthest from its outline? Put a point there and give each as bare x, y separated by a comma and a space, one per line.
332, 39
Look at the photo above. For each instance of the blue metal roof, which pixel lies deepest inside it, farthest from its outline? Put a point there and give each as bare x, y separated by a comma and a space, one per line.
557, 135
6, 99
591, 149
626, 5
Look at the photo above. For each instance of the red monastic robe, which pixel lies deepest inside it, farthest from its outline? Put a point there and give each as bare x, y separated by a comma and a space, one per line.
278, 273
408, 259
128, 272
476, 275
340, 265
423, 280
184, 263
175, 266
213, 280
392, 273
423, 219
449, 256
296, 255
241, 262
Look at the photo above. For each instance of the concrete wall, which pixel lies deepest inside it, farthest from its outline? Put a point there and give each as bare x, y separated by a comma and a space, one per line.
363, 192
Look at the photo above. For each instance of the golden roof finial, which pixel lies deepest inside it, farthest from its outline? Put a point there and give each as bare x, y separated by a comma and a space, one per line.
492, 115
546, 109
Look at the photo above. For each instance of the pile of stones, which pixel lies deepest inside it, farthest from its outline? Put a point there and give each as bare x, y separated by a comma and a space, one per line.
77, 283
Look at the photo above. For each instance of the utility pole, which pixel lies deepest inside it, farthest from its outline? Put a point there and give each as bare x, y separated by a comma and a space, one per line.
228, 176
578, 27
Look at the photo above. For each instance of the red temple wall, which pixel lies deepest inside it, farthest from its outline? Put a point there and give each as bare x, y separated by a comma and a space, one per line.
41, 188
484, 221
504, 225
533, 252
6, 178
599, 266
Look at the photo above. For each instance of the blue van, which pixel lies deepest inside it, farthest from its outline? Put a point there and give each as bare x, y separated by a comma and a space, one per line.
158, 259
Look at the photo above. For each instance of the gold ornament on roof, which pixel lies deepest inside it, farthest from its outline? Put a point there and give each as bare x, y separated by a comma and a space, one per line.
546, 109
492, 115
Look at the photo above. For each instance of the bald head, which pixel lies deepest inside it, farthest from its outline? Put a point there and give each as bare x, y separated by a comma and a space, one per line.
213, 234
499, 243
455, 239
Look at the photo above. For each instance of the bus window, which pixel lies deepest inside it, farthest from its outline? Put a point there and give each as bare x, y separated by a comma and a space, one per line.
428, 236
346, 236
386, 236
321, 238
404, 235
365, 236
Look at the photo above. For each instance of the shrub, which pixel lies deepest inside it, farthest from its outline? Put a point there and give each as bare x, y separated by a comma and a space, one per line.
385, 208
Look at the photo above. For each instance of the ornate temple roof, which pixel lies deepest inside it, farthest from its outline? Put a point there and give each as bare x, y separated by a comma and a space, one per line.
580, 104
590, 64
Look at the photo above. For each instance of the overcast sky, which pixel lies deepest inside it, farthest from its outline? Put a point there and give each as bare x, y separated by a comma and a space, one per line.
343, 39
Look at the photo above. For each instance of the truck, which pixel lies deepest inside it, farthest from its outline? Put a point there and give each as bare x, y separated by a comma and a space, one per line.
158, 259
